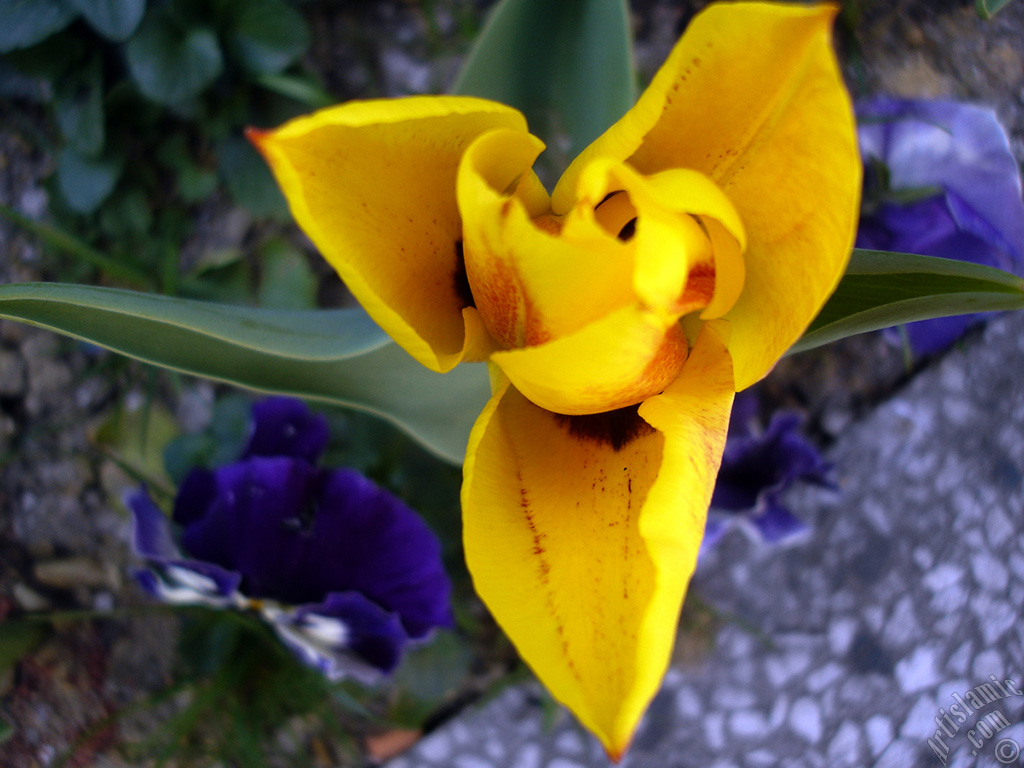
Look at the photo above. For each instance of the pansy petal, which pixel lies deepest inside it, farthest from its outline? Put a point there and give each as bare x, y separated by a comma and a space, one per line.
151, 530
370, 541
581, 534
191, 582
346, 635
254, 523
373, 185
285, 426
776, 524
752, 97
959, 147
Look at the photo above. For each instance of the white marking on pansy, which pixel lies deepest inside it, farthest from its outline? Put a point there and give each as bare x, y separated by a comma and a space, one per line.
189, 579
325, 648
179, 595
325, 629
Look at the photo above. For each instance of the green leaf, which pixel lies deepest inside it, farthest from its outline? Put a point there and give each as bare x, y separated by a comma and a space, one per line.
114, 19
301, 88
27, 22
249, 180
333, 356
288, 281
989, 8
85, 182
171, 63
882, 289
567, 66
78, 106
267, 36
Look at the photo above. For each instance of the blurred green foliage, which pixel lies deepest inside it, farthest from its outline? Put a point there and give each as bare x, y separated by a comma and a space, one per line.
148, 100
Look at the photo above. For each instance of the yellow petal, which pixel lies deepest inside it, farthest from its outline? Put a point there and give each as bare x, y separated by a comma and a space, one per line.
582, 533
613, 362
373, 185
752, 97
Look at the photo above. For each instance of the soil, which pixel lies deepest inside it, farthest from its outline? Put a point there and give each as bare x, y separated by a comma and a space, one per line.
63, 532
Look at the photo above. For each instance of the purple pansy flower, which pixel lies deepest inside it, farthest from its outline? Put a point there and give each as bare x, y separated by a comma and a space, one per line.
345, 572
757, 467
940, 180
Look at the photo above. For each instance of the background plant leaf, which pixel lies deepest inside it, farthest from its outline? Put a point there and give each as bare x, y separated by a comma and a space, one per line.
989, 8
78, 106
170, 62
248, 178
27, 22
267, 35
85, 182
568, 66
333, 356
881, 289
114, 19
287, 282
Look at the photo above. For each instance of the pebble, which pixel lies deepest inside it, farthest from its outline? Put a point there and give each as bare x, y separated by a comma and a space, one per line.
879, 732
72, 572
28, 599
917, 671
805, 719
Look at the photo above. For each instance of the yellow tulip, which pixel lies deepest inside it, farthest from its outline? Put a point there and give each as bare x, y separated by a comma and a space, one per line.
677, 259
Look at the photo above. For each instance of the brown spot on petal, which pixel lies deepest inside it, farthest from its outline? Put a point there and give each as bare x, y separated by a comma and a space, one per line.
616, 428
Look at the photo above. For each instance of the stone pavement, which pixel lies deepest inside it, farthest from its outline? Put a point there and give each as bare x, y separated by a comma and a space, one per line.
846, 648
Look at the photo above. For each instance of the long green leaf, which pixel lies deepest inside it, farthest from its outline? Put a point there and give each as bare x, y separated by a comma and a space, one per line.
568, 66
882, 289
334, 356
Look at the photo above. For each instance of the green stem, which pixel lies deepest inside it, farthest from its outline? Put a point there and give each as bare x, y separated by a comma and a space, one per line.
62, 241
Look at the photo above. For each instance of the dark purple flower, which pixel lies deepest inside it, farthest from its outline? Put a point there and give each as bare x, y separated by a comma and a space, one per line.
940, 180
757, 467
346, 573
284, 426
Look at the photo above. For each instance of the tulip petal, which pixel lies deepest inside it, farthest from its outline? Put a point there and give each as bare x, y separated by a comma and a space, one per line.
614, 362
752, 97
582, 533
373, 185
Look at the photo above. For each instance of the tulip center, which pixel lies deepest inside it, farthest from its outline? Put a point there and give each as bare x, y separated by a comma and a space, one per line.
617, 215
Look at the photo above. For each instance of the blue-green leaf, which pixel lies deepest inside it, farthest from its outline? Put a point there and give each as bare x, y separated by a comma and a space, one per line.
567, 66
114, 19
171, 63
287, 281
248, 178
85, 182
881, 289
267, 36
989, 8
78, 106
334, 356
27, 22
